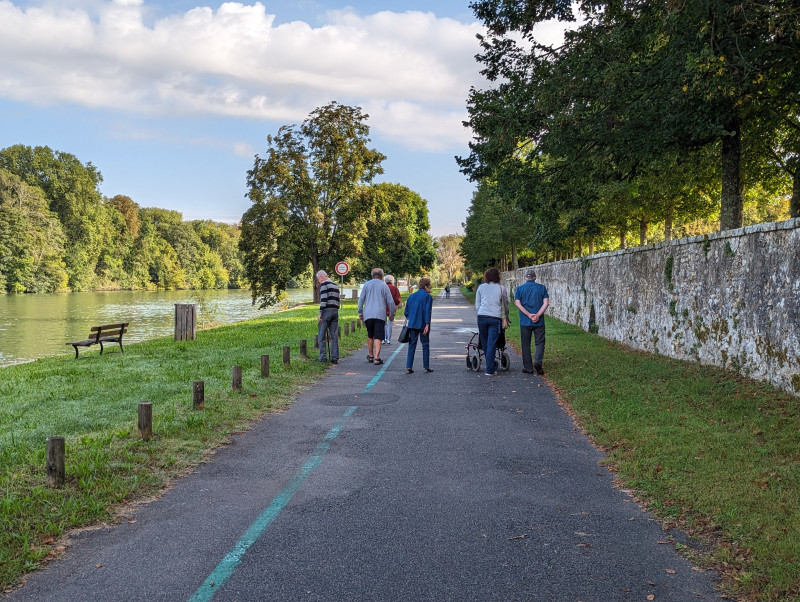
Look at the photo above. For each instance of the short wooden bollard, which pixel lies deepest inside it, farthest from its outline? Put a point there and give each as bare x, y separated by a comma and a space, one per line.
303, 349
340, 332
316, 342
199, 394
359, 323
237, 378
287, 358
347, 330
56, 471
353, 326
265, 366
145, 420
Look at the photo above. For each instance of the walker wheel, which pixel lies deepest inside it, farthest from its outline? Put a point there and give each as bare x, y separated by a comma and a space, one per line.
476, 362
505, 362
469, 362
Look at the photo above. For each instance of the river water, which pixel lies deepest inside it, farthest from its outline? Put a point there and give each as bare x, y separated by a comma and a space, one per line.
34, 326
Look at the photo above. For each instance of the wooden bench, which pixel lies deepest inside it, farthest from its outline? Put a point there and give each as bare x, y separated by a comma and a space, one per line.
108, 333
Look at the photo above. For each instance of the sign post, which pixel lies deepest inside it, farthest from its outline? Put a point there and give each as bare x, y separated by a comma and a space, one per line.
342, 268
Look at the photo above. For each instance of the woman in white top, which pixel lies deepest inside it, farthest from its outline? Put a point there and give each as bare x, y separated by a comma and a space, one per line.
491, 304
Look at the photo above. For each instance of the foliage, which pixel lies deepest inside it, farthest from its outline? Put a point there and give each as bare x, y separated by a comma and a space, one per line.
58, 233
397, 238
449, 260
644, 106
305, 203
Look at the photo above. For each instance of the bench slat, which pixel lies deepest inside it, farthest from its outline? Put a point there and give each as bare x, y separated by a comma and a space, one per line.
107, 333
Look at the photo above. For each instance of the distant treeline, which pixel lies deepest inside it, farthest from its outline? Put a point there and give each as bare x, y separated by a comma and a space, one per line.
59, 233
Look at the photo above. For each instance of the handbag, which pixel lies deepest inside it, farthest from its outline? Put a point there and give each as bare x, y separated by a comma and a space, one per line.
404, 338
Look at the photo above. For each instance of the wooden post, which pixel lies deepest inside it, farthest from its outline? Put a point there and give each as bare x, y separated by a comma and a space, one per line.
56, 472
360, 323
265, 366
340, 332
237, 378
316, 342
303, 349
287, 355
145, 420
353, 326
346, 329
185, 321
199, 394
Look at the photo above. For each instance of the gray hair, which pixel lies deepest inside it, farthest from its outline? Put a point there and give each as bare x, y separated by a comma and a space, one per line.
377, 273
530, 274
389, 279
322, 273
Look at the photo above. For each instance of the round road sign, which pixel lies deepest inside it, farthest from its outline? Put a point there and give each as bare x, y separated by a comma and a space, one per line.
342, 268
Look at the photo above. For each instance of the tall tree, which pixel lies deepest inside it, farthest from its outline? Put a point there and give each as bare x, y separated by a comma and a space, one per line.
305, 207
397, 238
448, 254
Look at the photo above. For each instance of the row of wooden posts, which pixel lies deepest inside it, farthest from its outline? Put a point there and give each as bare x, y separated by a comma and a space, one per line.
56, 449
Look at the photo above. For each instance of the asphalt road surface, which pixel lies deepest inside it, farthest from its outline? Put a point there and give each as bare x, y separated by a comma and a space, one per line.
381, 485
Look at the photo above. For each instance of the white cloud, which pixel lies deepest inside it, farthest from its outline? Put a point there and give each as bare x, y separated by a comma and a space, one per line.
410, 71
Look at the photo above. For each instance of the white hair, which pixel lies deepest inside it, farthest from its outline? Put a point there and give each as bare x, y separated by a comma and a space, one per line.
389, 279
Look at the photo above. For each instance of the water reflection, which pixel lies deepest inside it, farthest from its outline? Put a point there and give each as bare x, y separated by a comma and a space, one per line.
34, 326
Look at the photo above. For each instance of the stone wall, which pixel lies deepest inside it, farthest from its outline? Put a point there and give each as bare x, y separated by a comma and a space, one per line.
730, 299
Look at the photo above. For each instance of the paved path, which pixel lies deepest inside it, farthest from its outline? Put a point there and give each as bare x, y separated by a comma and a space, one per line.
382, 485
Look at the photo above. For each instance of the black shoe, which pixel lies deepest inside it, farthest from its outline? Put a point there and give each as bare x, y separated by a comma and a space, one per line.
409, 371
524, 371
538, 368
428, 369
370, 359
378, 361
334, 361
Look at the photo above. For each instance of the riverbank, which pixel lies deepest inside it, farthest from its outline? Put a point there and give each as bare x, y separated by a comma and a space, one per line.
93, 402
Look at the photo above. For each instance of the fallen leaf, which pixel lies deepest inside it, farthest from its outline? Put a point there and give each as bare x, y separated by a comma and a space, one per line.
671, 571
651, 597
98, 566
517, 537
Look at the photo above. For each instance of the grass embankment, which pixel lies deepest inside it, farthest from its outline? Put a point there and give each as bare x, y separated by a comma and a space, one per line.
706, 451
93, 403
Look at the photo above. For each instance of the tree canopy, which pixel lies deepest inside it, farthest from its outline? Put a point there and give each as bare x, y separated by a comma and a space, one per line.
648, 112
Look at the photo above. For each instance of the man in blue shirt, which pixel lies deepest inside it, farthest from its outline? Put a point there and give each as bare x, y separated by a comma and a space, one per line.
532, 301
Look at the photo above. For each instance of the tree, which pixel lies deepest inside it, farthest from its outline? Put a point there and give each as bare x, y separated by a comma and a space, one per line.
397, 238
31, 240
448, 254
72, 192
305, 203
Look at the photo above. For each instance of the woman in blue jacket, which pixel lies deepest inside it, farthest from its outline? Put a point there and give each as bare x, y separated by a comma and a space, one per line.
418, 312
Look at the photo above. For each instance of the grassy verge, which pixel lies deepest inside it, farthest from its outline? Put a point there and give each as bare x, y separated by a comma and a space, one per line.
705, 450
93, 402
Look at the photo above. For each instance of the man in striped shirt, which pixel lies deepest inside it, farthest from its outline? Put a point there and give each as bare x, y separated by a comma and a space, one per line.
328, 317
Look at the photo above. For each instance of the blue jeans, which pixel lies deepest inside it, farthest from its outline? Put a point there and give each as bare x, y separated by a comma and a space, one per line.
329, 324
413, 335
489, 329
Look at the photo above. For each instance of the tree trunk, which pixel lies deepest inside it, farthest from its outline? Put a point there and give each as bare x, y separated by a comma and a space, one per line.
314, 270
623, 239
794, 206
643, 232
668, 225
591, 246
514, 260
730, 215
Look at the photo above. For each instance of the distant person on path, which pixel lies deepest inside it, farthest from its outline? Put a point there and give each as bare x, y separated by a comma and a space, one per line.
375, 297
418, 312
491, 303
328, 317
532, 301
398, 302
447, 290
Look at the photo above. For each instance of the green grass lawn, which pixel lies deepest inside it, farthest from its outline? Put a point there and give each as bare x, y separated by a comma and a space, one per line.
705, 450
93, 403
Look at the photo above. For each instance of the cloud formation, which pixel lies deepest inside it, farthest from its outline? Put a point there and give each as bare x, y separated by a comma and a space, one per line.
410, 71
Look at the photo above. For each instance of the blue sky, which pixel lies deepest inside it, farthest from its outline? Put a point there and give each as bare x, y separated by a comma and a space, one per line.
172, 99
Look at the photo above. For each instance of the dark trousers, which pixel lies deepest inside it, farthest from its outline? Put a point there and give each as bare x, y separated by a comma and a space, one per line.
329, 325
525, 333
413, 335
489, 328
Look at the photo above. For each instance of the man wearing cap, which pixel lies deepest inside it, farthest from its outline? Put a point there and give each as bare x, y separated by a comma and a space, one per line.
532, 301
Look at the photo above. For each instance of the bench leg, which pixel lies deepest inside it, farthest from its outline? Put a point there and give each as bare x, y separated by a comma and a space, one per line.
76, 351
101, 347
